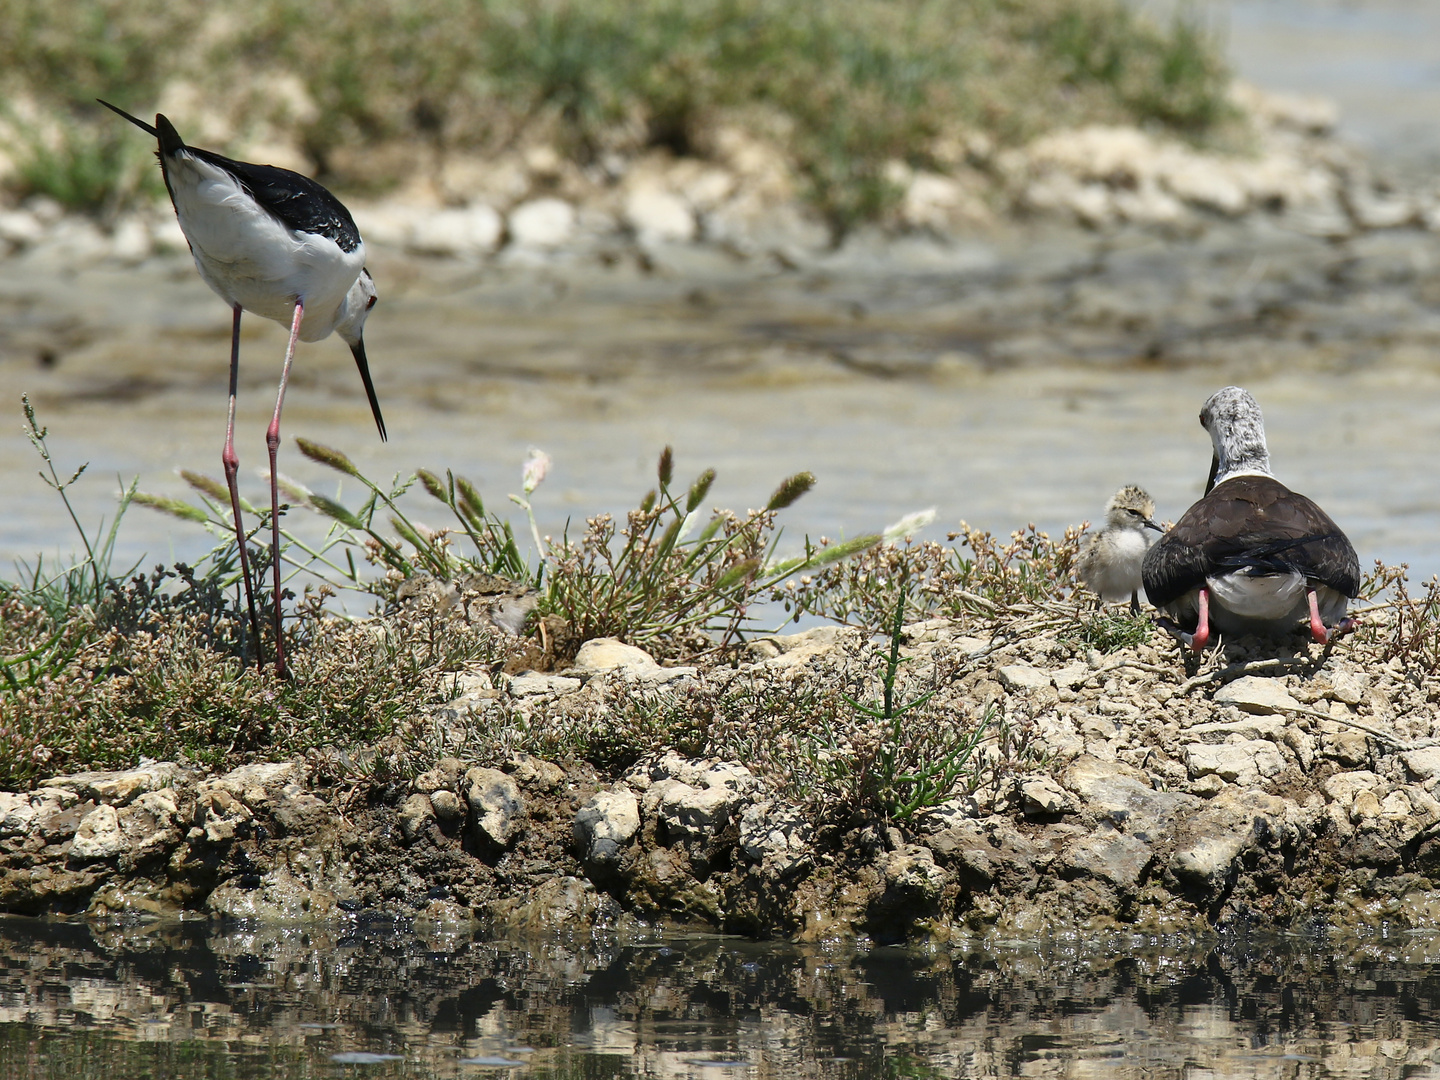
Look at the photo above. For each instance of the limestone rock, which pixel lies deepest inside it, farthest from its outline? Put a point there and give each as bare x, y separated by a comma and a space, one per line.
220, 815
659, 216
1209, 842
1023, 677
99, 835
444, 776
298, 812
1423, 764
914, 870
793, 650
474, 230
1113, 792
1256, 695
545, 223
1041, 796
1242, 763
608, 654
534, 684
415, 815
117, 788
1112, 857
604, 825
496, 809
259, 784
531, 771
777, 836
1345, 787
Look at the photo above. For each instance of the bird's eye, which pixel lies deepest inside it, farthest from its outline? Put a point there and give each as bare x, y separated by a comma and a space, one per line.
371, 302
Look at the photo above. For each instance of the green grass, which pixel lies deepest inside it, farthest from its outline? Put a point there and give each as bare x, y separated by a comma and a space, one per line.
841, 88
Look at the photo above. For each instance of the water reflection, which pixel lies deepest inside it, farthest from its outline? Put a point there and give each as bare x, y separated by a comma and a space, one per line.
182, 1001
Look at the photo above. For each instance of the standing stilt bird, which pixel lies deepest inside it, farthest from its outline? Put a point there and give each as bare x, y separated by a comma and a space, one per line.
276, 244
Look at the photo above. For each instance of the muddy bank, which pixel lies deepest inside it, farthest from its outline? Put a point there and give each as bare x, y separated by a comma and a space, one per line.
1285, 792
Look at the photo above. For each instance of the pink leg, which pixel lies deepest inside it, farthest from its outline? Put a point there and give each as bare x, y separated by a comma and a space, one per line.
1201, 637
232, 468
272, 441
1317, 628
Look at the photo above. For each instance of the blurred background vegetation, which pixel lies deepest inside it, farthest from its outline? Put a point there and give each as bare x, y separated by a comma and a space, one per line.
840, 88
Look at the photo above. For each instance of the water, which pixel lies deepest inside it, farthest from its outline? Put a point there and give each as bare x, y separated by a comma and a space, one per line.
1376, 59
183, 1001
1019, 379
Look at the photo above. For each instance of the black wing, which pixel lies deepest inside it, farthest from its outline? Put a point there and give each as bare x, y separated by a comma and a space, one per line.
1250, 523
296, 201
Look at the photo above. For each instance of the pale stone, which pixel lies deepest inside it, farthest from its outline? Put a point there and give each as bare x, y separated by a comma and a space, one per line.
220, 815
445, 774
607, 654
1249, 728
117, 787
1243, 763
1117, 859
914, 870
604, 825
1348, 746
496, 809
258, 784
20, 227
1023, 677
794, 650
532, 684
99, 835
1041, 796
531, 771
1256, 695
473, 230
1423, 764
1345, 787
542, 223
659, 216
131, 243
414, 815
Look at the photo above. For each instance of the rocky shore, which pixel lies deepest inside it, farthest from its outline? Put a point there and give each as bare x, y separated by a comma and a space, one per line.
1295, 790
532, 206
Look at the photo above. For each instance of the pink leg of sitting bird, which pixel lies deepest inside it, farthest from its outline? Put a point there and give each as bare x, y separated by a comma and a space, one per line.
1317, 628
232, 468
272, 441
1201, 637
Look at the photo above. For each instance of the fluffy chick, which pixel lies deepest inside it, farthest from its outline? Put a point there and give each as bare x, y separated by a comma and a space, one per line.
1110, 560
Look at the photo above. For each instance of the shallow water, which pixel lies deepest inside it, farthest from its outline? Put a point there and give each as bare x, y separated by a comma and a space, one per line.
1011, 381
184, 1001
1376, 59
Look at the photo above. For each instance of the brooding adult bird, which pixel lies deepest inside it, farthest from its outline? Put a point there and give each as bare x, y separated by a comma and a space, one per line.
276, 244
1251, 556
1110, 560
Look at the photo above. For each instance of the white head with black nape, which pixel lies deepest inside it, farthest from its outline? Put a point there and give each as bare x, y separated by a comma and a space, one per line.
1237, 432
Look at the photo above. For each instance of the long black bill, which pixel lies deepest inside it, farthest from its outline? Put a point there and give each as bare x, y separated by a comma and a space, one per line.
1209, 483
358, 349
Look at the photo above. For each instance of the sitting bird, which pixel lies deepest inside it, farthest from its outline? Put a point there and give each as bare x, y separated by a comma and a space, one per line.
1251, 556
1110, 560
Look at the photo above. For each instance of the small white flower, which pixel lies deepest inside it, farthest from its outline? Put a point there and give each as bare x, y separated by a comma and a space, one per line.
909, 525
532, 473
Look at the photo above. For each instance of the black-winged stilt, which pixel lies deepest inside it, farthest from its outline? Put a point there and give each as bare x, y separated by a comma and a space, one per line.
277, 244
1251, 556
1110, 560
